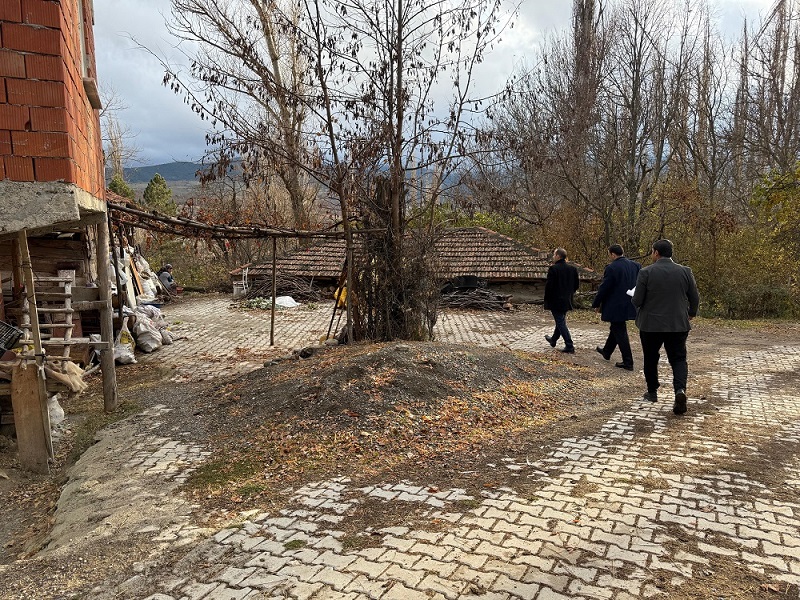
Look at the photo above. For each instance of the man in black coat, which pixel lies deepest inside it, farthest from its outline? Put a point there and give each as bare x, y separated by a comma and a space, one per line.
614, 304
562, 283
666, 299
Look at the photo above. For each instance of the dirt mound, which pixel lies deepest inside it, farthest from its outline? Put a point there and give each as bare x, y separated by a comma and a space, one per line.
370, 409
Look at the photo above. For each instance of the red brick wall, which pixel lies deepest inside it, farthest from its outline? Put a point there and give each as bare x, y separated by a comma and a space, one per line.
48, 130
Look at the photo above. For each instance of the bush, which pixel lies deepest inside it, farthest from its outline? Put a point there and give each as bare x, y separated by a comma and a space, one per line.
758, 300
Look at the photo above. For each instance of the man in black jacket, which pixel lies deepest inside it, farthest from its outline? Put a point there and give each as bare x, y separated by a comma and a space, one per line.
614, 304
666, 299
561, 285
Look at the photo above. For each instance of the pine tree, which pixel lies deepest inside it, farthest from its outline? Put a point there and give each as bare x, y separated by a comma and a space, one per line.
158, 196
119, 187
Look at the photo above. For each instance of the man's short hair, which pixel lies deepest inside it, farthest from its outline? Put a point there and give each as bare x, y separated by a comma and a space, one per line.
616, 250
663, 247
560, 252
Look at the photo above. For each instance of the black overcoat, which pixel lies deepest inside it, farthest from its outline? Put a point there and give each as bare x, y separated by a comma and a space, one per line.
562, 283
612, 298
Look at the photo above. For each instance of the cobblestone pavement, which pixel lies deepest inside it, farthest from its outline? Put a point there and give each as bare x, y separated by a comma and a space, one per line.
214, 338
625, 512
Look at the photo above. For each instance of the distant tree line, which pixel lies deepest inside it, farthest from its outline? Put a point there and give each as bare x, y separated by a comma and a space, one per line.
642, 122
639, 122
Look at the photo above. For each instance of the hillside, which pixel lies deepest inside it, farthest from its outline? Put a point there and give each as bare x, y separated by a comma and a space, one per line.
175, 171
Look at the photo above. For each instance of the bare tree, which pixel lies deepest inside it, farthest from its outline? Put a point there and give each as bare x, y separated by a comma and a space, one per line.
352, 99
245, 76
119, 148
768, 98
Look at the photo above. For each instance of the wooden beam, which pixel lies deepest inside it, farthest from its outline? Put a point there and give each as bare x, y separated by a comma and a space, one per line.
30, 295
106, 326
274, 293
33, 434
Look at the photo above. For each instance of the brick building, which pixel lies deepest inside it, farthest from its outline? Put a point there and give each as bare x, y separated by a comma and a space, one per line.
54, 236
49, 124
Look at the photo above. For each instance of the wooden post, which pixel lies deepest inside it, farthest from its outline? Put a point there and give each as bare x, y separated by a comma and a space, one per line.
18, 280
26, 400
38, 352
106, 325
274, 293
350, 287
120, 293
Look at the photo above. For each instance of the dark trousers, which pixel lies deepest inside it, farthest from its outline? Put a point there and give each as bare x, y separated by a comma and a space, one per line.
618, 336
674, 343
561, 329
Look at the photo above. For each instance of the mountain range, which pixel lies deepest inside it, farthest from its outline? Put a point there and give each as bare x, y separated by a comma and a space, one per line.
175, 171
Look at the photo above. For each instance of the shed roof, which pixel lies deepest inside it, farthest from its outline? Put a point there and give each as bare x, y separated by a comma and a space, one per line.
465, 251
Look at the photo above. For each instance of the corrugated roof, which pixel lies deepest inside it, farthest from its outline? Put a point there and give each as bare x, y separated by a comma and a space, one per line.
467, 251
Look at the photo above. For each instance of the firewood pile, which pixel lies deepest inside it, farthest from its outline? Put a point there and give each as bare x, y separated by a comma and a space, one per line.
477, 298
297, 287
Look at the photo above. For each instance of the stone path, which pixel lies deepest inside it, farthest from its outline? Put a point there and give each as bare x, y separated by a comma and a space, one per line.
617, 514
216, 339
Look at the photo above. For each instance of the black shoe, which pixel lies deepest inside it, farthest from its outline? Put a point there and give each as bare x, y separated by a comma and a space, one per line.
570, 350
550, 341
603, 354
680, 403
622, 365
650, 396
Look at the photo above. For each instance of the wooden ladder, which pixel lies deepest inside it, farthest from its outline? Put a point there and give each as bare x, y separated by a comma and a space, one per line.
54, 315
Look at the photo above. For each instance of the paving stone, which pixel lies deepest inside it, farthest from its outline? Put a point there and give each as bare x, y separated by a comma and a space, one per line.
545, 544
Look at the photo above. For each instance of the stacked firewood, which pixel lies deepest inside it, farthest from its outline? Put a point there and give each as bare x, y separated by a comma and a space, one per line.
297, 287
476, 298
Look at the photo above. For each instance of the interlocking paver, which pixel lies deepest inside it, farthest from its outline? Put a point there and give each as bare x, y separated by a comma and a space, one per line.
544, 545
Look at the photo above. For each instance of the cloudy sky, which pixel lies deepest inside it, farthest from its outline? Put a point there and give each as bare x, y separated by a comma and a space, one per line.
166, 130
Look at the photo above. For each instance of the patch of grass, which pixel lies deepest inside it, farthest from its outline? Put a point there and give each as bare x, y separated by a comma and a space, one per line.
583, 487
251, 490
467, 504
218, 473
295, 544
359, 542
84, 433
651, 482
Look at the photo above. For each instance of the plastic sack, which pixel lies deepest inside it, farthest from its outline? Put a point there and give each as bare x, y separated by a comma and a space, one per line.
286, 302
148, 289
55, 410
123, 347
166, 337
148, 337
340, 296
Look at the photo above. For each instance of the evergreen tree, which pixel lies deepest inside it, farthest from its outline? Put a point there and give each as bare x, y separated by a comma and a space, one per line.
119, 187
158, 196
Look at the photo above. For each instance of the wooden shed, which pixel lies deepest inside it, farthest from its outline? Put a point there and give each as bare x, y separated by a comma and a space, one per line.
477, 254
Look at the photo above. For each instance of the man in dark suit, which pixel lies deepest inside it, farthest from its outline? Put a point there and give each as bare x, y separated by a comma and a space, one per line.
561, 285
666, 299
614, 304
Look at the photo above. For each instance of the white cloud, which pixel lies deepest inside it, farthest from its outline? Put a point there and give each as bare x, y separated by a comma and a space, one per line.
167, 128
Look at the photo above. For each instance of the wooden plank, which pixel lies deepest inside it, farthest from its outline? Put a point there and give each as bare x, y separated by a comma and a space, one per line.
52, 387
137, 279
33, 433
108, 369
30, 291
89, 305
